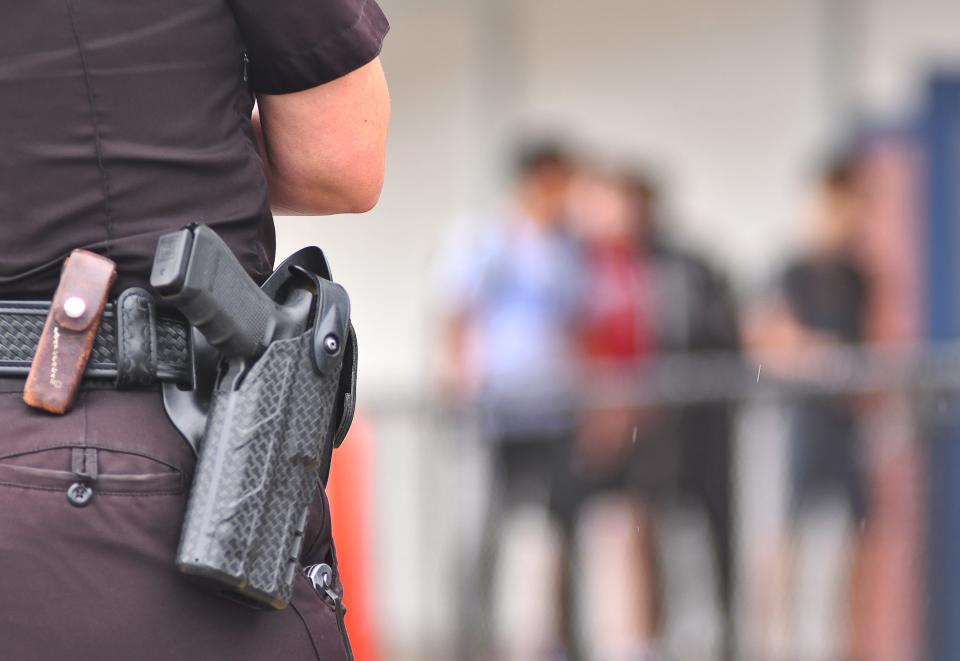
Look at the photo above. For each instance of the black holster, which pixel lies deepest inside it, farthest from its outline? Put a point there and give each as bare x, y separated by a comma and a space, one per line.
265, 434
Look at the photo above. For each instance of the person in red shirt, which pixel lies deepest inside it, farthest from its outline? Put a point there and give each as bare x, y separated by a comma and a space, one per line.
603, 482
631, 463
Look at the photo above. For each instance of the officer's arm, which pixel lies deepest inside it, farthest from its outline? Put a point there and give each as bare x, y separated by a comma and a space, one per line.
324, 148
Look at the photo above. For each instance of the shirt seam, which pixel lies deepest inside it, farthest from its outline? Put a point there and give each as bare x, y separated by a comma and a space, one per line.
95, 118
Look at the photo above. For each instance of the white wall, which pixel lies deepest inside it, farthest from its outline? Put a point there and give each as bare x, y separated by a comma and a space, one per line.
900, 42
725, 97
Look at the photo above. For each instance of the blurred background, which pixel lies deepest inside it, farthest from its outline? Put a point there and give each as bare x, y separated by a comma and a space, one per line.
657, 319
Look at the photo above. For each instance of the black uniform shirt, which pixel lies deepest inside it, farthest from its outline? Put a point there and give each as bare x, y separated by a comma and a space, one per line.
123, 119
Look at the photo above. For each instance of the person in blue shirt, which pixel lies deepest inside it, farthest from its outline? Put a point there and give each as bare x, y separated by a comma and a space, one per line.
510, 290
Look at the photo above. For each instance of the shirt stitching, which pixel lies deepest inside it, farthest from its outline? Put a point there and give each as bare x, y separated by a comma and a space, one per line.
95, 117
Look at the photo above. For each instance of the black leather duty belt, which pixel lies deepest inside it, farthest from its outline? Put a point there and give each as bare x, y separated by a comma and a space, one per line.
135, 346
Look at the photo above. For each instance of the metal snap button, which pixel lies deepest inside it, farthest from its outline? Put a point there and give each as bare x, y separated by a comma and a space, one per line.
74, 307
331, 343
79, 494
322, 578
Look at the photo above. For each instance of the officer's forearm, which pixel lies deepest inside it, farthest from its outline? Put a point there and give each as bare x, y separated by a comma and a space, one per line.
324, 148
283, 201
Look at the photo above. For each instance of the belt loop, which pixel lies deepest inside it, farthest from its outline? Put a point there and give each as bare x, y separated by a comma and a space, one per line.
77, 460
83, 463
90, 467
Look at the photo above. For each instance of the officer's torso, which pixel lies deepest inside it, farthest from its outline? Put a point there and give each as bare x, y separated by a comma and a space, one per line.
123, 119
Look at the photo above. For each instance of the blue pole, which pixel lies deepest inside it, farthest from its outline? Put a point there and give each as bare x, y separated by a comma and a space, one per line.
940, 130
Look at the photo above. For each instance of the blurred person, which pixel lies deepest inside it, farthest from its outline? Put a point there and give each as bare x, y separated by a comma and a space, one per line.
699, 315
823, 302
605, 476
510, 299
636, 480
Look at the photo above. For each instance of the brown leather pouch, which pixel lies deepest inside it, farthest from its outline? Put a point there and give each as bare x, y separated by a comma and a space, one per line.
68, 335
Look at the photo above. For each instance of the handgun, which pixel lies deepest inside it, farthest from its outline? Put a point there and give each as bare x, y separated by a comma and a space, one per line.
195, 271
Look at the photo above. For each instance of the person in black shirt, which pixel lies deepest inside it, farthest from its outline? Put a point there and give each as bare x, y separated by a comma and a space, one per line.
824, 301
124, 120
827, 293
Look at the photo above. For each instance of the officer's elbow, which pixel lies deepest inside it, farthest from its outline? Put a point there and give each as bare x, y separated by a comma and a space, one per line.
360, 198
363, 192
364, 201
354, 189
357, 170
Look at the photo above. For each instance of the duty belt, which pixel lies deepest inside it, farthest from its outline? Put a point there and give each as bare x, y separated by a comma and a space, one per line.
134, 346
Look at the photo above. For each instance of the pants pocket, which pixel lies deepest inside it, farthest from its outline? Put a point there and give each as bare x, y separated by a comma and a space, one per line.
105, 472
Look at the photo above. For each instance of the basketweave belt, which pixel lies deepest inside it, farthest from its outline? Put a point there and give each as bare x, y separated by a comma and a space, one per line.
135, 346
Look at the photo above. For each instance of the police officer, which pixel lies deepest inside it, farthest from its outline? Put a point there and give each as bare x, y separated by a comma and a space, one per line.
122, 120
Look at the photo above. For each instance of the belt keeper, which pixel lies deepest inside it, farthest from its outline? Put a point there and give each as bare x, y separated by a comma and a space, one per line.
136, 339
69, 332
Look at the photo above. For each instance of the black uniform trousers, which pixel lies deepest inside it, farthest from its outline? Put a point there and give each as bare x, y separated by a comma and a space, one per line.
96, 580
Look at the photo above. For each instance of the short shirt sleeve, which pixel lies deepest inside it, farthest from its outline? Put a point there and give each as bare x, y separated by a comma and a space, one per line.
294, 45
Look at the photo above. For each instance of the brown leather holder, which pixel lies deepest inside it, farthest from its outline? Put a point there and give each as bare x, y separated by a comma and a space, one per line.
69, 332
